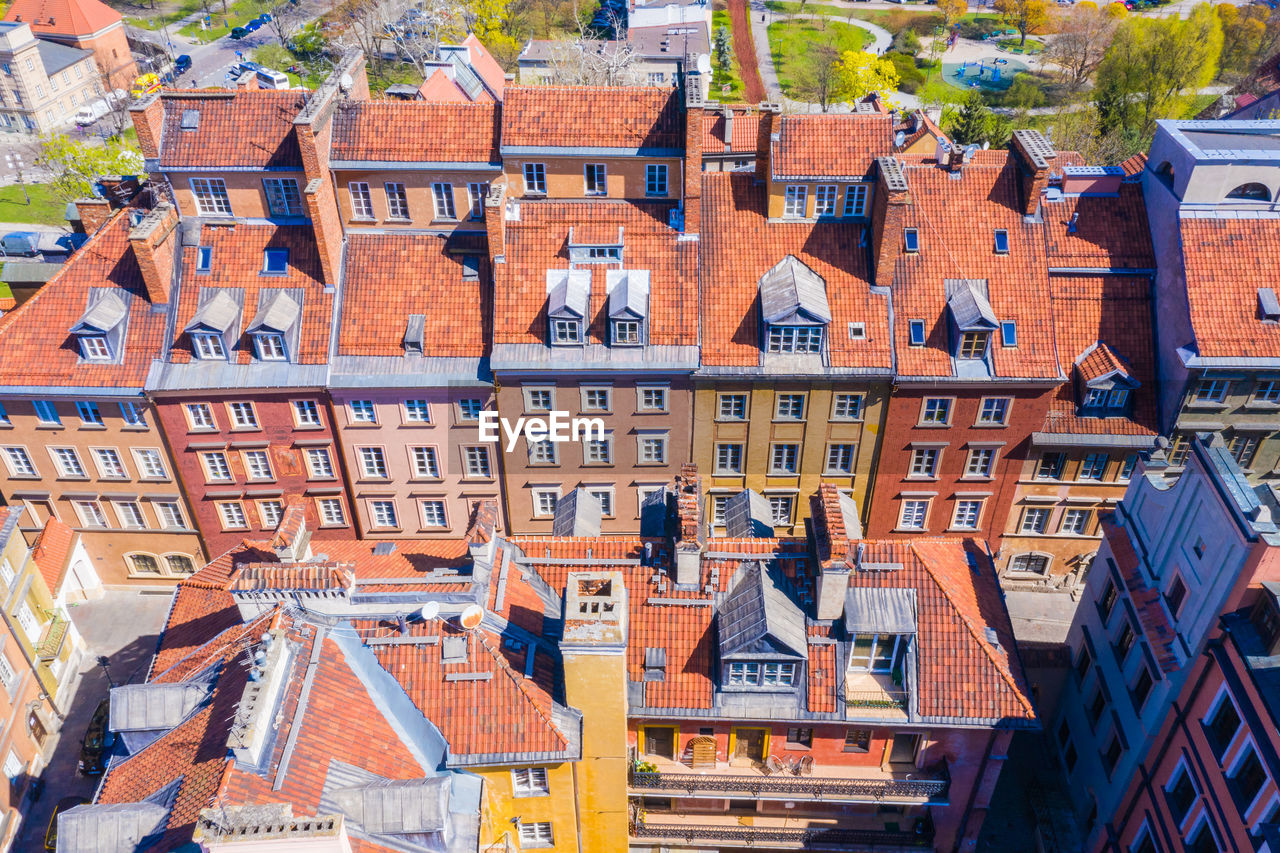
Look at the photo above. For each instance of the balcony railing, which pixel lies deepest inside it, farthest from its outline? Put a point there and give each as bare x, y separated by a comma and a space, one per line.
817, 838
54, 636
927, 790
877, 700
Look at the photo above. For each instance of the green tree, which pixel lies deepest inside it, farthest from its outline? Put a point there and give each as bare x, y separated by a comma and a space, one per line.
971, 122
723, 49
1244, 30
76, 165
1026, 16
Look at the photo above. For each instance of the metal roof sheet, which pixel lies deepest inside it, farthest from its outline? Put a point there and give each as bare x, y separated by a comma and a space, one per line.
277, 312
880, 610
146, 707
792, 292
219, 310
398, 807
967, 299
747, 515
577, 514
628, 293
759, 618
106, 310
568, 292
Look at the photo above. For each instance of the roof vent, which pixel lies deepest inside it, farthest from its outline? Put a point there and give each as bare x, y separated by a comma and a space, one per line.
384, 548
1268, 305
190, 119
1071, 225
992, 637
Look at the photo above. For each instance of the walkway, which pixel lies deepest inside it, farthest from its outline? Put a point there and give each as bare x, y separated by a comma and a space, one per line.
747, 53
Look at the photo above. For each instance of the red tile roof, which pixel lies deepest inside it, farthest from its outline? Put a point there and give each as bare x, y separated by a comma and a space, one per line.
1226, 261
745, 127
1108, 321
956, 220
244, 128
378, 296
537, 243
63, 17
1111, 231
39, 349
830, 145
423, 131
645, 117
237, 264
51, 552
739, 246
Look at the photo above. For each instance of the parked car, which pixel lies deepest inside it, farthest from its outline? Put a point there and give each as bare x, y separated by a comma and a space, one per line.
247, 66
25, 243
145, 85
239, 32
182, 64
51, 835
98, 740
90, 113
264, 18
253, 26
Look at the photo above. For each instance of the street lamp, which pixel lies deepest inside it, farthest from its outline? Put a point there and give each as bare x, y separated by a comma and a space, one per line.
13, 160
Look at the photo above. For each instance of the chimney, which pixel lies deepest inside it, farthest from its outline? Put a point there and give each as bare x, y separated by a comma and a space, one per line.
155, 247
688, 532
292, 542
495, 221
229, 829
148, 119
836, 525
769, 123
1035, 157
94, 212
888, 214
694, 107
728, 128
1091, 180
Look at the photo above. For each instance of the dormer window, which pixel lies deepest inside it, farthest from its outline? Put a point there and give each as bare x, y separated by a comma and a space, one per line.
568, 296
270, 346
877, 652
95, 348
566, 331
628, 306
604, 253
275, 261
215, 325
278, 318
101, 328
973, 345
1106, 382
971, 316
786, 339
208, 346
626, 333
793, 303
1102, 398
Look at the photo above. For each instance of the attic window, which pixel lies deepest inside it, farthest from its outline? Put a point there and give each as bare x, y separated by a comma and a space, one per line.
275, 261
911, 240
655, 664
204, 258
270, 346
207, 346
1251, 192
973, 345
95, 348
1009, 334
1268, 305
857, 331
604, 253
190, 119
566, 331
1002, 242
1104, 398
915, 330
470, 268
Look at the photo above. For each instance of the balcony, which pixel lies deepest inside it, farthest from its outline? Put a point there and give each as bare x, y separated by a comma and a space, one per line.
55, 634
874, 696
791, 833
833, 784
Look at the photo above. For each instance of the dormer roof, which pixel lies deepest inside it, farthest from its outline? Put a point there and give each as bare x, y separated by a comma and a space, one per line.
747, 515
793, 293
1100, 366
758, 619
278, 312
219, 311
568, 293
106, 311
628, 294
967, 302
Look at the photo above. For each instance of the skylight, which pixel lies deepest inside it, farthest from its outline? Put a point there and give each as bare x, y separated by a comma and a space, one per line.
1009, 333
1002, 241
916, 328
911, 240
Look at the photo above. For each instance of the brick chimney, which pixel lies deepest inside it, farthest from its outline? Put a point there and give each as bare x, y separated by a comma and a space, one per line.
694, 107
495, 212
888, 213
769, 125
93, 213
835, 527
155, 246
1035, 156
292, 540
148, 119
688, 526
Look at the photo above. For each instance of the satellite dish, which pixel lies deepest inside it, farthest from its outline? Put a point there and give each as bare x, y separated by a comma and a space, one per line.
985, 145
704, 64
430, 610
471, 617
899, 138
345, 83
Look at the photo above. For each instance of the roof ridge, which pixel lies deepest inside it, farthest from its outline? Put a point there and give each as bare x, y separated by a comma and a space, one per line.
519, 682
1007, 676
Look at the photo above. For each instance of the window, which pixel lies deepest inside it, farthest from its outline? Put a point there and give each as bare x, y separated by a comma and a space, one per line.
824, 200
283, 198
1127, 467
1141, 688
211, 196
653, 450
372, 462
877, 652
215, 466
469, 410
538, 399
915, 332
331, 513
857, 740
1181, 794
653, 399
130, 515
755, 674
200, 416
973, 345
170, 515
967, 514
1050, 467
1211, 390
306, 413
1202, 839
1009, 334
1242, 446
89, 413
94, 348
256, 465
1034, 520
417, 411
780, 506
1097, 705
855, 200
911, 240
566, 331
789, 407
542, 452
270, 512
535, 179
361, 200
242, 415
1075, 522
108, 461
1221, 726
594, 182
605, 496
913, 515
443, 194
362, 412
433, 514
90, 513
1247, 779
839, 459
270, 347
1124, 642
20, 464
536, 835
728, 458
784, 459
1267, 392
476, 194
204, 258
383, 513
797, 737
924, 462
655, 179
150, 464
232, 513
981, 462
544, 502
425, 463
529, 782
1002, 242
595, 399
207, 346
397, 201
4, 416
134, 414
1110, 595
732, 407
319, 463
46, 412
596, 451
67, 461
275, 262
476, 461
796, 201
994, 410
626, 332
718, 504
1111, 755
180, 564
1037, 564
795, 339
1144, 843
1093, 466
12, 765
847, 407
936, 411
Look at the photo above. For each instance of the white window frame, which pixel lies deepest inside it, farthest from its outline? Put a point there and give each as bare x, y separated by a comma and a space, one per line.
795, 203
442, 197
362, 411
20, 462
383, 514
397, 201
825, 197
90, 513
972, 508
129, 514
535, 178
910, 509
207, 346
217, 468
270, 346
999, 406
726, 403
211, 197
373, 463
530, 782
784, 458
331, 512
656, 180
652, 398
426, 461
855, 200
270, 512
840, 406
309, 408
595, 179
199, 417
257, 465
231, 515
427, 517
537, 496
928, 411
972, 468
361, 201
168, 512
243, 415
836, 453
109, 463
280, 201
729, 458
319, 463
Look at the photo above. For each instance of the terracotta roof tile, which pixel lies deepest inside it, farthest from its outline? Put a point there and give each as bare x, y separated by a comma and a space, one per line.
38, 347
831, 145
51, 551
746, 131
378, 296
645, 117
434, 132
247, 128
739, 246
1111, 231
1226, 261
78, 17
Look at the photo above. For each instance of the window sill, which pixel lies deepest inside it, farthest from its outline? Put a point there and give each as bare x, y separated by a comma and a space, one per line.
788, 420
975, 478
415, 424
927, 425
919, 478
135, 428
990, 426
667, 412
400, 220
525, 795
50, 426
1207, 405
784, 473
963, 530
444, 222
910, 530
93, 426
363, 219
362, 425
245, 429
728, 474
837, 473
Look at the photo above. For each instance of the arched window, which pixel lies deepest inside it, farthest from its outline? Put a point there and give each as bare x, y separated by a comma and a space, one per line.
1251, 192
143, 564
179, 564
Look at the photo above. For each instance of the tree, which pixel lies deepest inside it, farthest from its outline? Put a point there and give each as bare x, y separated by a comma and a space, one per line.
493, 22
581, 62
75, 165
860, 74
1027, 16
970, 123
818, 80
364, 24
419, 33
1082, 33
1244, 31
952, 11
723, 49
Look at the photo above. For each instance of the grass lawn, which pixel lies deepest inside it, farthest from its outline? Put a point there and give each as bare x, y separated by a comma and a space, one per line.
732, 77
791, 8
790, 43
1013, 45
45, 208
221, 22
391, 74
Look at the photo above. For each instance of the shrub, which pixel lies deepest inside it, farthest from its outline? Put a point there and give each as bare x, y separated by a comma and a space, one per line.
910, 76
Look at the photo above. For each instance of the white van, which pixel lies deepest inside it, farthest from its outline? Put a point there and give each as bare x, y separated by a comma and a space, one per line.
270, 79
90, 113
